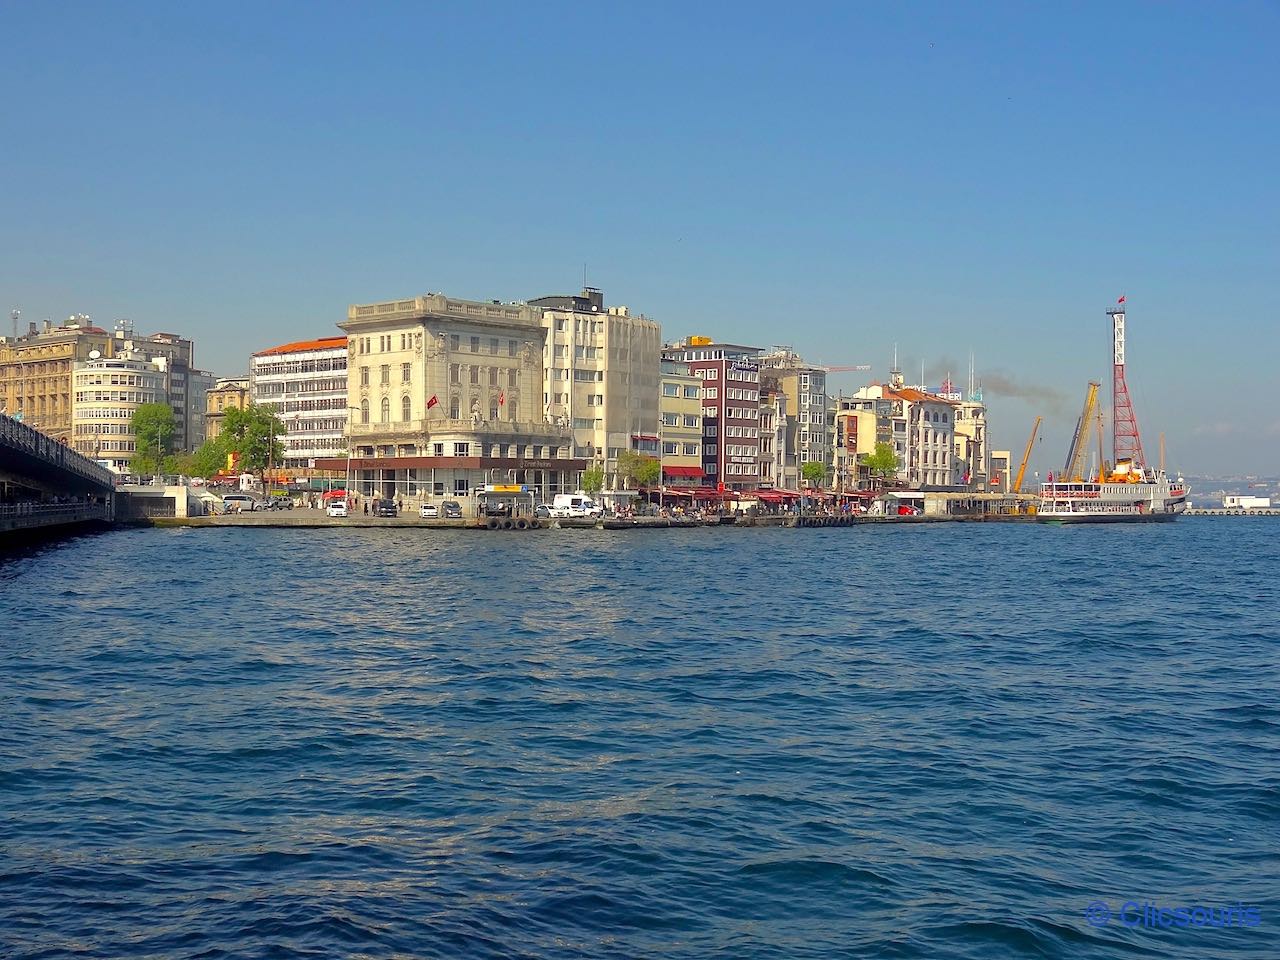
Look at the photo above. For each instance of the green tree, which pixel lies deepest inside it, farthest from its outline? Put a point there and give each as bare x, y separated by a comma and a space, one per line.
593, 480
209, 459
254, 433
638, 469
883, 462
154, 427
814, 473
649, 473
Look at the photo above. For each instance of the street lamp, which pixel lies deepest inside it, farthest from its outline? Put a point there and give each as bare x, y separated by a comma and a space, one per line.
350, 444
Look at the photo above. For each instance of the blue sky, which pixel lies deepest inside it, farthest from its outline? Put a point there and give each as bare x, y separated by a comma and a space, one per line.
838, 177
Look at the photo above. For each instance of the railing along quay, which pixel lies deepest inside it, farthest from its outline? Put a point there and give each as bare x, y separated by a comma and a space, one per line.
25, 516
19, 436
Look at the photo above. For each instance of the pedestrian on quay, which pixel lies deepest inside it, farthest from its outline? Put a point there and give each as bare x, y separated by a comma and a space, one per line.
366, 508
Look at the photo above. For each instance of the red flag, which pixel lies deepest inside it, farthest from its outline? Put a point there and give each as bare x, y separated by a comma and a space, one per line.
502, 398
1121, 300
432, 402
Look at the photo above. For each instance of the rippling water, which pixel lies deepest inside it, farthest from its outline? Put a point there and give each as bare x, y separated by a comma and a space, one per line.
924, 741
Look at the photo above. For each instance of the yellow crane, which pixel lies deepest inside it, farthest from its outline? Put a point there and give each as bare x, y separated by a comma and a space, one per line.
1073, 472
1022, 470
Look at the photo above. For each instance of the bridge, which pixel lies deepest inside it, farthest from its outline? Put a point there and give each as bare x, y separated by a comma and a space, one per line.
46, 487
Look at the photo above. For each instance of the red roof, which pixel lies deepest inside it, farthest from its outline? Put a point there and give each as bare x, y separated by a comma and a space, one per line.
301, 346
912, 395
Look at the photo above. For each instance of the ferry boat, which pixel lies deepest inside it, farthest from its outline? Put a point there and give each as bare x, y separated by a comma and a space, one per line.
1127, 494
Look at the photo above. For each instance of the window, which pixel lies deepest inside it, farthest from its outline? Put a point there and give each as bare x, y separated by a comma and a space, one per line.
669, 449
711, 374
475, 374
670, 390
691, 393
453, 374
461, 449
406, 372
437, 450
405, 408
364, 376
493, 376
386, 374
560, 324
511, 377
690, 449
364, 411
454, 341
671, 420
710, 393
475, 344
690, 420
437, 488
493, 411
459, 486
511, 348
511, 409
453, 408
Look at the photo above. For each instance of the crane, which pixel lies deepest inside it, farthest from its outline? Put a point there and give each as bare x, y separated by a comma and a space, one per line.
1073, 472
1022, 470
860, 367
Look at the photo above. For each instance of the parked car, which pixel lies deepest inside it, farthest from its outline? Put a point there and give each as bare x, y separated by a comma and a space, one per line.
428, 511
337, 508
385, 508
542, 511
575, 505
497, 509
240, 503
280, 503
451, 509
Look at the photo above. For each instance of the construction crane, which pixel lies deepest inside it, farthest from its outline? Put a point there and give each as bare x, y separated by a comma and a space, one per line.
1022, 469
861, 367
1073, 472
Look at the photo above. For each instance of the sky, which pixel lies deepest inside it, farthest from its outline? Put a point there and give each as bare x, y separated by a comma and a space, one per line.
949, 178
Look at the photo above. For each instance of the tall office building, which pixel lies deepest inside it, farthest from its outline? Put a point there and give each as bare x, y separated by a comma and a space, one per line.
36, 371
305, 385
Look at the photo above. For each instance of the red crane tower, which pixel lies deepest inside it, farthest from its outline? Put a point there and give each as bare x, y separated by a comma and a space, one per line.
1125, 440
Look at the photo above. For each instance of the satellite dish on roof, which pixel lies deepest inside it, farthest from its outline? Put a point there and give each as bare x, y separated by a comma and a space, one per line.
95, 354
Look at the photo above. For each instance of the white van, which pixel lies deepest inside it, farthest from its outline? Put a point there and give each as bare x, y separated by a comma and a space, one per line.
575, 505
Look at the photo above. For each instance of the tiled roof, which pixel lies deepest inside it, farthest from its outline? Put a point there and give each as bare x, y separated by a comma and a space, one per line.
324, 343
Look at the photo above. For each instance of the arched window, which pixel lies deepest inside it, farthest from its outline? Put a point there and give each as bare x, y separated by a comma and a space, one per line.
404, 408
386, 409
364, 411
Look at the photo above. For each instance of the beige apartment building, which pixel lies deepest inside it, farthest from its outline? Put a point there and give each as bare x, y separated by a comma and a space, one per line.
805, 387
229, 393
36, 369
972, 450
445, 398
601, 377
680, 427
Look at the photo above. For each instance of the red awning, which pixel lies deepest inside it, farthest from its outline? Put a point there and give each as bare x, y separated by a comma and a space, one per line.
683, 471
770, 496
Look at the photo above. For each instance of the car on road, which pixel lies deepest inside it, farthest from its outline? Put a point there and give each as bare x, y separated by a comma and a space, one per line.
241, 503
542, 511
428, 511
451, 509
386, 508
280, 503
337, 508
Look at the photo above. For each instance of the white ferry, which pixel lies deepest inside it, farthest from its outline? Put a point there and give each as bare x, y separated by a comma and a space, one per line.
1126, 494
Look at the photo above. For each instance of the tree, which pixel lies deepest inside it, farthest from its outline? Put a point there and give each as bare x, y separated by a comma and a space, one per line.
814, 473
883, 461
593, 479
254, 433
209, 459
636, 467
153, 425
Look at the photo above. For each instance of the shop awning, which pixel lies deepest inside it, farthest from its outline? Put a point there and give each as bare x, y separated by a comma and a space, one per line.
683, 471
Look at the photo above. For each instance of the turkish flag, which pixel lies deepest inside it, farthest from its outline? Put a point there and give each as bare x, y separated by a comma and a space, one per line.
502, 398
432, 402
1121, 300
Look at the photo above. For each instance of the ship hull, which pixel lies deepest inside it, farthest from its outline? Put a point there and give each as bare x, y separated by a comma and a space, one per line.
1107, 518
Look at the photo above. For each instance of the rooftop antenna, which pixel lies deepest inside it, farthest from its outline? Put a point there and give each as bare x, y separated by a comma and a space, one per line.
15, 316
971, 373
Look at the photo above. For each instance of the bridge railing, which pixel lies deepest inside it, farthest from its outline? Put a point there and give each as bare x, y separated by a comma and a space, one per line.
19, 436
14, 516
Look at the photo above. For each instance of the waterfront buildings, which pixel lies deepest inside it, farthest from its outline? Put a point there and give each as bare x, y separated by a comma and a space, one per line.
730, 375
972, 449
999, 480
232, 393
777, 465
600, 377
199, 383
859, 423
680, 429
805, 386
922, 431
179, 356
106, 393
305, 384
36, 371
446, 397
